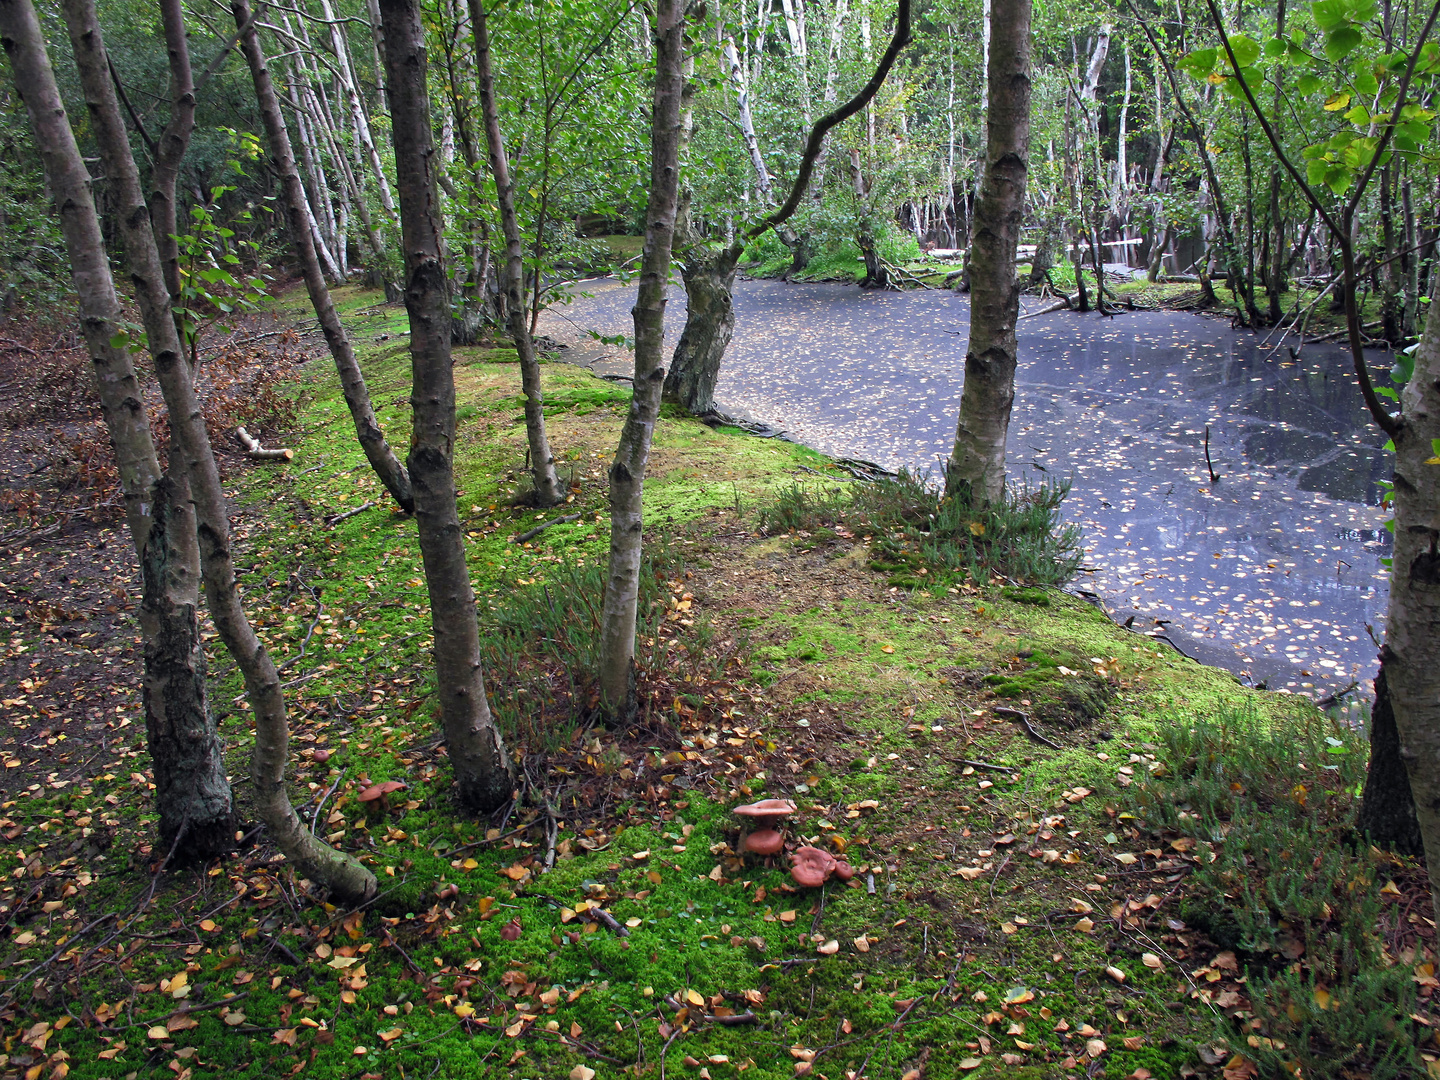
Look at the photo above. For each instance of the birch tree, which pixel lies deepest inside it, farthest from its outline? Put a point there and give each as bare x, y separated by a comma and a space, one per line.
976, 469
352, 381
477, 752
190, 442
192, 794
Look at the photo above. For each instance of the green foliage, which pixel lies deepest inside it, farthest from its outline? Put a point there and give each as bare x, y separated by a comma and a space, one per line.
923, 532
1288, 888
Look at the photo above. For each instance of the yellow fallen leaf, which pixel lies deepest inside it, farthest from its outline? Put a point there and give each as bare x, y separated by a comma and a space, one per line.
830, 948
157, 1032
862, 944
1153, 962
1116, 974
582, 1072
970, 1063
887, 648
343, 962
694, 999
633, 921
464, 1011
393, 1034
1008, 928
969, 873
1126, 859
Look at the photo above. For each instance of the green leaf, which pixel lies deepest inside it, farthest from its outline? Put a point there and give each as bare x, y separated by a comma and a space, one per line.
1358, 115
1338, 179
1328, 14
1307, 84
1341, 42
1199, 63
1315, 170
1366, 83
1245, 48
1275, 47
119, 340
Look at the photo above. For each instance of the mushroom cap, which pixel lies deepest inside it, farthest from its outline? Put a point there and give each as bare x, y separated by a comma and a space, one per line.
843, 870
766, 808
374, 791
812, 866
764, 841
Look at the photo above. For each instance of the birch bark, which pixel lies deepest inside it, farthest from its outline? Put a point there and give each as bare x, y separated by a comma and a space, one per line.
477, 752
976, 469
547, 490
627, 472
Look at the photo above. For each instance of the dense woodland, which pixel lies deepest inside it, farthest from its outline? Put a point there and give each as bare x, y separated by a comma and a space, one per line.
175, 166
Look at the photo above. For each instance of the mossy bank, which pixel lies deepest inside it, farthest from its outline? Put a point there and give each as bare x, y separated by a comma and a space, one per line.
1068, 837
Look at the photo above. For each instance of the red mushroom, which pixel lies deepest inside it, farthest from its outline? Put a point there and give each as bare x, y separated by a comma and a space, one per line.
764, 842
844, 871
812, 867
380, 793
767, 808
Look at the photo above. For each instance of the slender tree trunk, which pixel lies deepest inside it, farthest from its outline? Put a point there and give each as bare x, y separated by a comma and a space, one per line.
976, 470
477, 752
1410, 264
173, 144
627, 472
352, 381
357, 108
190, 441
1390, 288
192, 794
547, 489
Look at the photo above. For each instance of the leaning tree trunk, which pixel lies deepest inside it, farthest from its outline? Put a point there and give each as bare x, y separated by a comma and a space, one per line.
976, 469
192, 795
342, 874
709, 275
627, 472
352, 381
477, 753
1412, 622
547, 489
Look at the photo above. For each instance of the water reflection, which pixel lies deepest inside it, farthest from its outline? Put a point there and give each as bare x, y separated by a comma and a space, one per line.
1273, 571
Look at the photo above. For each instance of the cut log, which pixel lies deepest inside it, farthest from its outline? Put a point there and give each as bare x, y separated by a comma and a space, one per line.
254, 450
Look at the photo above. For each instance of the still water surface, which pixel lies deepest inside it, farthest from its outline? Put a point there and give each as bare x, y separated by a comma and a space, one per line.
1273, 572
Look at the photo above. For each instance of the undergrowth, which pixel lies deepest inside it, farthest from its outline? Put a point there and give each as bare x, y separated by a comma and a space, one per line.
923, 534
1301, 903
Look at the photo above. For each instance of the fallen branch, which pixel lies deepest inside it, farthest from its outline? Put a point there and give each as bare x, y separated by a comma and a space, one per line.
984, 764
608, 921
531, 534
336, 519
1016, 714
1062, 304
256, 452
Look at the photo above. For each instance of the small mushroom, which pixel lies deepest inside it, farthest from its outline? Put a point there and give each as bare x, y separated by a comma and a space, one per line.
380, 794
843, 870
812, 866
322, 755
764, 841
767, 808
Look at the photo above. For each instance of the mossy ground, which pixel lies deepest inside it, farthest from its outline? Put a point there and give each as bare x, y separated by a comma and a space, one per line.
775, 665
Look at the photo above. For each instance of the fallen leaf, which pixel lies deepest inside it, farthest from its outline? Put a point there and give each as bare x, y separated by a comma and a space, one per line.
1152, 961
1116, 974
582, 1072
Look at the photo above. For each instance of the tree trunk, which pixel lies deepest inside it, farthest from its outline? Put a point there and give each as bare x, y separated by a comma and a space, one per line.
709, 275
547, 490
191, 443
477, 752
627, 472
192, 794
1389, 285
976, 470
352, 381
1412, 622
1387, 812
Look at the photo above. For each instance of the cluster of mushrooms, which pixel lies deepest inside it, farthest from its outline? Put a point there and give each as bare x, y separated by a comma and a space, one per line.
810, 866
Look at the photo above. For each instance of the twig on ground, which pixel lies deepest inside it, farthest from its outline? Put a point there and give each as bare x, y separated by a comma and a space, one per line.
984, 765
1016, 714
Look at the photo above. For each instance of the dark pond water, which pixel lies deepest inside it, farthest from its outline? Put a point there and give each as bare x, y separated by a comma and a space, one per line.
1273, 572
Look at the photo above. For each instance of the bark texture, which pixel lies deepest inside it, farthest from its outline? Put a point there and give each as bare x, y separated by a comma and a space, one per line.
547, 489
341, 873
1387, 810
1412, 625
192, 795
477, 752
627, 471
976, 469
709, 275
352, 381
